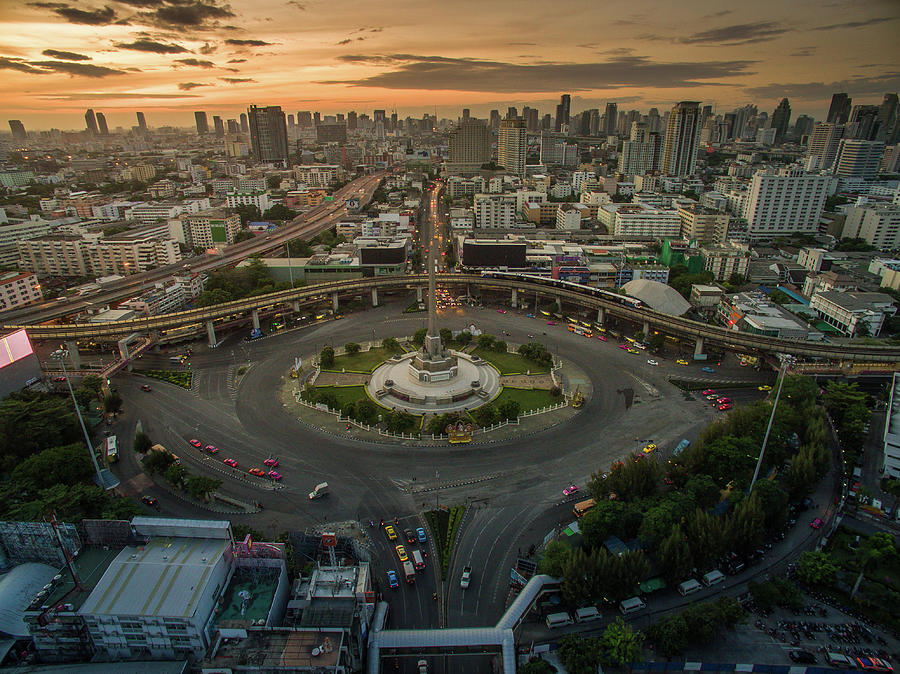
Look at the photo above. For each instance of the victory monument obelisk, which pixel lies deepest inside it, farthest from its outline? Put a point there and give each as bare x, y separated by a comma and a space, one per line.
433, 363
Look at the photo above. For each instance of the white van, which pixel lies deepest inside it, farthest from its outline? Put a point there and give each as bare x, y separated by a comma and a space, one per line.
688, 587
587, 614
418, 560
631, 605
558, 620
840, 661
713, 578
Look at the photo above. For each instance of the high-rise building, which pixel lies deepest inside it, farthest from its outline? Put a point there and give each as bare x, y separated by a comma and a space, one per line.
823, 145
495, 119
379, 116
268, 133
142, 121
290, 120
218, 126
18, 129
233, 127
612, 119
317, 118
839, 110
470, 145
803, 127
351, 120
784, 201
512, 145
395, 121
511, 112
781, 120
331, 132
858, 159
682, 139
864, 122
245, 127
466, 113
304, 118
563, 110
90, 121
102, 126
201, 122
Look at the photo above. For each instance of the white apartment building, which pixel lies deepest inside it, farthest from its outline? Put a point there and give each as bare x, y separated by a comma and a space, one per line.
848, 310
115, 210
12, 233
18, 289
160, 299
465, 187
568, 216
54, 256
320, 175
210, 228
858, 159
877, 225
512, 146
646, 221
153, 212
823, 145
495, 211
727, 259
579, 178
462, 219
529, 197
257, 198
561, 190
784, 201
703, 224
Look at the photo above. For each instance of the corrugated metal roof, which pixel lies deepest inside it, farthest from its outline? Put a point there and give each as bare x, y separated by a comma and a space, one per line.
18, 589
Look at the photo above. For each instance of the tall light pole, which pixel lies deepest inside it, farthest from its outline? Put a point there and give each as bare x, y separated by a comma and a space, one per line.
762, 451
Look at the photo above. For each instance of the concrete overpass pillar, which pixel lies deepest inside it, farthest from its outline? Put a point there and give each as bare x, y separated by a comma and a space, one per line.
601, 316
374, 297
211, 330
295, 306
123, 349
646, 329
419, 294
74, 355
334, 302
256, 318
515, 298
559, 305
698, 347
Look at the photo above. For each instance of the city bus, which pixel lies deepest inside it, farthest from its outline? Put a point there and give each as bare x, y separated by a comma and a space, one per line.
585, 332
112, 449
583, 507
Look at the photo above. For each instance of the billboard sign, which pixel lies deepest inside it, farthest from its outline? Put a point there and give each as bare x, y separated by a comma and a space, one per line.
14, 346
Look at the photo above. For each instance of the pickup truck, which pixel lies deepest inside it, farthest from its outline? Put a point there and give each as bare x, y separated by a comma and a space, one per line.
320, 491
466, 577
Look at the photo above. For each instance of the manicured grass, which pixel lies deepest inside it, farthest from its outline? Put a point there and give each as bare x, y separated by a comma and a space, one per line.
511, 363
344, 394
444, 524
528, 399
178, 377
364, 361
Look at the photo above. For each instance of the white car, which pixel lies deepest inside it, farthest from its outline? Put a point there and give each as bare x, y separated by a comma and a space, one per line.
652, 362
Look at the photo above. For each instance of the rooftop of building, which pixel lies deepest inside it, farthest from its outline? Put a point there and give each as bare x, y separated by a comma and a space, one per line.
165, 577
90, 565
281, 649
13, 276
215, 213
248, 597
855, 301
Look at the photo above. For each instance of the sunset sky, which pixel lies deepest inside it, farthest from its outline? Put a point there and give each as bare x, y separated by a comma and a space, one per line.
171, 57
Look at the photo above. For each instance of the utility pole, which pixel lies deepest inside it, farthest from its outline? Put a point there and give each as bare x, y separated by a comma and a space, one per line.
762, 450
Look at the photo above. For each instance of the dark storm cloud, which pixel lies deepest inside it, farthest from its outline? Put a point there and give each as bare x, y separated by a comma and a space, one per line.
152, 46
7, 63
189, 15
812, 91
344, 41
65, 55
77, 69
741, 33
237, 80
237, 60
856, 24
248, 43
208, 48
199, 63
143, 4
90, 17
187, 86
408, 71
105, 96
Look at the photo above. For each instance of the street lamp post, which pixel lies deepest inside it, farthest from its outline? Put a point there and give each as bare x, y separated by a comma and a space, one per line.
762, 450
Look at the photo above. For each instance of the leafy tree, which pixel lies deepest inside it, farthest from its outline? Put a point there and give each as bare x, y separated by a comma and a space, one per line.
391, 344
418, 337
744, 528
486, 415
92, 383
706, 536
580, 655
244, 235
273, 182
463, 338
446, 336
675, 557
399, 421
200, 487
142, 442
662, 516
326, 357
657, 342
670, 634
212, 297
876, 547
121, 508
67, 465
176, 474
509, 409
816, 567
554, 559
112, 402
537, 667
280, 212
621, 643
780, 297
485, 341
248, 213
31, 422
499, 346
437, 425
536, 352
366, 411
773, 501
629, 480
352, 348
158, 462
703, 490
300, 248
70, 503
605, 519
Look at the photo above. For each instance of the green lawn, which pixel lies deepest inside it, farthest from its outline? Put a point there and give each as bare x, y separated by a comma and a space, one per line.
344, 394
511, 363
364, 361
528, 399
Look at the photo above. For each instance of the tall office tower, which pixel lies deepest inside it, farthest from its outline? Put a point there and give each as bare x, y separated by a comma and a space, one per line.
511, 145
290, 120
533, 123
102, 127
705, 114
839, 110
612, 119
887, 118
268, 134
584, 124
823, 146
546, 122
142, 121
594, 122
351, 120
304, 118
803, 127
91, 122
633, 160
245, 127
465, 114
864, 122
395, 121
526, 113
563, 110
202, 123
233, 127
18, 129
317, 118
218, 126
858, 159
512, 112
622, 126
470, 145
340, 117
781, 120
379, 116
784, 201
654, 151
682, 139
495, 119
730, 119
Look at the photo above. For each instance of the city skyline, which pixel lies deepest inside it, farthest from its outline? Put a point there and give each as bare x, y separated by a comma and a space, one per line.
170, 59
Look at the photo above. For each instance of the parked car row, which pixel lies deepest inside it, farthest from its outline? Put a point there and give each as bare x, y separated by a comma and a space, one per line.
271, 462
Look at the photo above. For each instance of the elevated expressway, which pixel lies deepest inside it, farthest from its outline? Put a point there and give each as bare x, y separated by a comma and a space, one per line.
683, 328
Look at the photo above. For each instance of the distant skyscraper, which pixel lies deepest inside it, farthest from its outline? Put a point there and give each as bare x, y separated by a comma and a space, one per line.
823, 146
682, 139
466, 113
781, 119
202, 123
102, 127
304, 118
495, 119
887, 118
512, 112
546, 122
563, 111
839, 110
612, 119
351, 120
858, 159
233, 127
18, 129
290, 120
142, 121
470, 144
379, 116
594, 122
90, 121
864, 122
268, 134
245, 128
218, 126
317, 118
511, 145
395, 121
803, 127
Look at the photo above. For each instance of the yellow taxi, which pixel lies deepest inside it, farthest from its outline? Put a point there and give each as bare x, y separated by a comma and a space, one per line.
391, 534
681, 361
649, 448
634, 351
765, 388
401, 553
